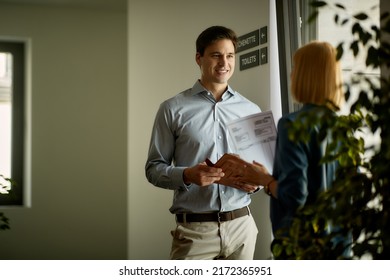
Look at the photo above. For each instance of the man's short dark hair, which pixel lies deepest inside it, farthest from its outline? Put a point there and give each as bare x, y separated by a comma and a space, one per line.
212, 34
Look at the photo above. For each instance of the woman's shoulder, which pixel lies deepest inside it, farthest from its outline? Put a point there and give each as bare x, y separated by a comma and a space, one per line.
304, 111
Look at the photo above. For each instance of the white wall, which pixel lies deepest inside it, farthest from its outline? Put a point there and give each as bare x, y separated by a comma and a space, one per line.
162, 38
78, 132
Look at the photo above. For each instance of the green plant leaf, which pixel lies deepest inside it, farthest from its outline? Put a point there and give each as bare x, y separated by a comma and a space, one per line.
344, 22
312, 17
356, 28
361, 16
336, 19
340, 51
372, 57
355, 48
318, 4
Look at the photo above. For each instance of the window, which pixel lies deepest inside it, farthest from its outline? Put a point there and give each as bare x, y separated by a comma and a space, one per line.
5, 113
294, 31
291, 33
12, 116
349, 64
328, 31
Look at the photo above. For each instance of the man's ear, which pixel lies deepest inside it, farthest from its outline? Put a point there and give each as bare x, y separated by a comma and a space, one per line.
197, 58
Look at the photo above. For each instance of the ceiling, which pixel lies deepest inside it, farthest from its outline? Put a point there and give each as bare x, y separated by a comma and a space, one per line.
119, 5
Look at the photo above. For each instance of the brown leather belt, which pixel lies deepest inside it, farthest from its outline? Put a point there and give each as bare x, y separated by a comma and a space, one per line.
212, 217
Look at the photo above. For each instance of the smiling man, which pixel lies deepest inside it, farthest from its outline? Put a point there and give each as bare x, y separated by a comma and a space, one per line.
212, 216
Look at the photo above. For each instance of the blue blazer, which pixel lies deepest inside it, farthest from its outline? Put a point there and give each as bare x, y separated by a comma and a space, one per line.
298, 171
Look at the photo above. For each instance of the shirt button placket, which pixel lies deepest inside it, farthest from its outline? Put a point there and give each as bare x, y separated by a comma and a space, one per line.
219, 134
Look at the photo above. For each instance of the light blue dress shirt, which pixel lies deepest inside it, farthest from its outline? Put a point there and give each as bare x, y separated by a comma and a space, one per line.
189, 128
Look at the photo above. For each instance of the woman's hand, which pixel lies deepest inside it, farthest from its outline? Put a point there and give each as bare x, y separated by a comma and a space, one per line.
242, 171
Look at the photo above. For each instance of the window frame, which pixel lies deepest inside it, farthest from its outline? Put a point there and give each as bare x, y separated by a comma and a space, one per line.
289, 40
293, 32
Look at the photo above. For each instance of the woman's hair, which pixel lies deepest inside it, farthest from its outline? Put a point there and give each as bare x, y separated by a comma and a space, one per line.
316, 75
212, 34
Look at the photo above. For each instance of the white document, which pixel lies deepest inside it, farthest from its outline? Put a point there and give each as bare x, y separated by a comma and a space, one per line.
254, 137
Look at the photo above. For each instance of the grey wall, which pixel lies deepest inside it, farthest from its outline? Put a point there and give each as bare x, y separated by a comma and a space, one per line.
161, 64
78, 142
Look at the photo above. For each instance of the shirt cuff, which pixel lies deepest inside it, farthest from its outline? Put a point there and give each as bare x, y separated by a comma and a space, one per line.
255, 191
177, 175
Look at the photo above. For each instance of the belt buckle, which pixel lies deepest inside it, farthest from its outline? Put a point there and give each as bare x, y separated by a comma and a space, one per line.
223, 217
219, 217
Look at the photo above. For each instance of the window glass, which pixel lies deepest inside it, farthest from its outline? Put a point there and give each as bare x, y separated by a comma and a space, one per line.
327, 30
12, 120
335, 34
5, 113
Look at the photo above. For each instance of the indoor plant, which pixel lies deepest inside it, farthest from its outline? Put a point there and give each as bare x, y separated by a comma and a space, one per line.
5, 188
358, 202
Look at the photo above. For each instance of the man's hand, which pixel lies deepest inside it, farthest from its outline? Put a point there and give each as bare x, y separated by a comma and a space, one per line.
202, 175
235, 182
242, 172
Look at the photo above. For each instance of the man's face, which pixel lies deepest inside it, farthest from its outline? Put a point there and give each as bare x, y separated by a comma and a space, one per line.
217, 63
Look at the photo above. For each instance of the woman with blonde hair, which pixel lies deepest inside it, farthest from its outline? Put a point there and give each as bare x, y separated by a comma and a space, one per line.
298, 174
316, 75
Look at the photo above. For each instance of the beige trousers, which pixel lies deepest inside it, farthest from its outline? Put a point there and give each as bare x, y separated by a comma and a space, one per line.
232, 240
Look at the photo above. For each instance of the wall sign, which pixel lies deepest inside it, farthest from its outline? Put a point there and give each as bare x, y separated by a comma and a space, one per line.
250, 60
263, 56
251, 40
263, 35
248, 41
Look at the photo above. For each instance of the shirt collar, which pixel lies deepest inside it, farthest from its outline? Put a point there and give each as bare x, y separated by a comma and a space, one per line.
198, 88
